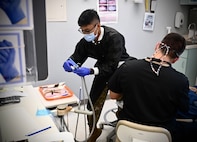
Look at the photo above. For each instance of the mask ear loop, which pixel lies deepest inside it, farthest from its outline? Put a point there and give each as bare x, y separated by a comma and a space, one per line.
162, 58
95, 41
167, 51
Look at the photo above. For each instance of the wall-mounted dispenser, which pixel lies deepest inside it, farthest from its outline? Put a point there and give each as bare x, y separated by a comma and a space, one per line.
179, 19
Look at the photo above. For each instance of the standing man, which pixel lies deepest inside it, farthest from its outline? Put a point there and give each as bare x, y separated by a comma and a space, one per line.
107, 46
152, 90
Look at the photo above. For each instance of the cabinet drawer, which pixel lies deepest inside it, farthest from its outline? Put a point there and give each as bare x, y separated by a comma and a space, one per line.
187, 65
184, 54
180, 65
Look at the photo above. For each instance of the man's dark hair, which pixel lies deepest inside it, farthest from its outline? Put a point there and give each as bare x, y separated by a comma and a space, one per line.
87, 17
176, 43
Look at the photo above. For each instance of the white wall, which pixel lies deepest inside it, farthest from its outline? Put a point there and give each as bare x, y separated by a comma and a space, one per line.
62, 36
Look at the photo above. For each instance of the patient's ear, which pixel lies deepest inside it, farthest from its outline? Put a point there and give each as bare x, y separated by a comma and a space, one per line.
157, 46
175, 59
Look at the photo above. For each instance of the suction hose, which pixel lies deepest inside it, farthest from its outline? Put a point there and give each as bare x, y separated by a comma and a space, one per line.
84, 88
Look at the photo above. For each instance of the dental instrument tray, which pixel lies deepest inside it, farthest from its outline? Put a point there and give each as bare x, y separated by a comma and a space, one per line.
54, 92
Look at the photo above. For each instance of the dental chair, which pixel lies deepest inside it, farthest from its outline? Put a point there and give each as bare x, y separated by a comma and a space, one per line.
112, 123
127, 131
112, 134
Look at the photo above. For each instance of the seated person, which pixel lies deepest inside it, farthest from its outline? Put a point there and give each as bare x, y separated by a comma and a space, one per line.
152, 90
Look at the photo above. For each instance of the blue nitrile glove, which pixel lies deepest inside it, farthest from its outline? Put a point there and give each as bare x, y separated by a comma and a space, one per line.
13, 10
69, 65
7, 57
4, 52
82, 71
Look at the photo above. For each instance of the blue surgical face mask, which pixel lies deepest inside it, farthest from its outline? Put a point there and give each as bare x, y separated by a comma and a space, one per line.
89, 37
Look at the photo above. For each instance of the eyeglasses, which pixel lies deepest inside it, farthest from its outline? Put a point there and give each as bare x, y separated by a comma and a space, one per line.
87, 31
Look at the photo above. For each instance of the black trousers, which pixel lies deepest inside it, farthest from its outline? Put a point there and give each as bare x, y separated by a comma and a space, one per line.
98, 95
185, 132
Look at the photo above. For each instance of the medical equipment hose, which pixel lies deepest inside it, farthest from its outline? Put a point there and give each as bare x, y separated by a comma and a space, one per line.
84, 88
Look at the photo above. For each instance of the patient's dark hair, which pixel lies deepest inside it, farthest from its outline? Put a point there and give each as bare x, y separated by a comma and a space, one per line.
87, 17
176, 43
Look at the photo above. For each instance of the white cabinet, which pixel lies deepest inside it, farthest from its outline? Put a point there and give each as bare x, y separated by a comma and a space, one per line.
187, 64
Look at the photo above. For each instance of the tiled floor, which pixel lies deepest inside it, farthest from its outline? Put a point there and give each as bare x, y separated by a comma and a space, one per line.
79, 130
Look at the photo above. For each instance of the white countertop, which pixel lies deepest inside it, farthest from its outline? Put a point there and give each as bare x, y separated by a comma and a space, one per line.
191, 46
18, 120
